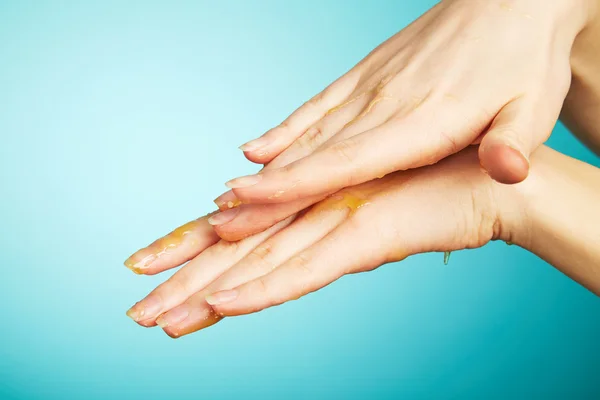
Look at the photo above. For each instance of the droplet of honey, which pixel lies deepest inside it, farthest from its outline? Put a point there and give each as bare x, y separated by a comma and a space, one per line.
447, 257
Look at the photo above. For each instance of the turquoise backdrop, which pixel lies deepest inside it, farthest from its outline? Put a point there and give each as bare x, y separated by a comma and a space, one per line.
119, 120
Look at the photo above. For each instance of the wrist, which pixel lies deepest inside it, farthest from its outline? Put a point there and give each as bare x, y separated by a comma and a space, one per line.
586, 47
552, 214
517, 204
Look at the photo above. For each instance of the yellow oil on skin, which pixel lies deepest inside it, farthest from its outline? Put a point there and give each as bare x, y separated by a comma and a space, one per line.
339, 107
368, 109
343, 201
161, 247
233, 204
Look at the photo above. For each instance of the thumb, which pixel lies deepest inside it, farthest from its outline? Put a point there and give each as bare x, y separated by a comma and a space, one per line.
506, 146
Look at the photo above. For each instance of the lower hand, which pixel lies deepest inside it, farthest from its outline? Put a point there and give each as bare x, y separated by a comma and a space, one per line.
448, 206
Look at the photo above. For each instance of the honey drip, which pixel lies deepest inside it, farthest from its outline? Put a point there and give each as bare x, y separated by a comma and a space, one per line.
447, 257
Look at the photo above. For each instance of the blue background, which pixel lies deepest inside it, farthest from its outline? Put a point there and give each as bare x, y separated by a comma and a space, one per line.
120, 120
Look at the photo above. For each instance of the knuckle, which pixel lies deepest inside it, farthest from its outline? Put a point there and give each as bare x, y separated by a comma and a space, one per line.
262, 255
312, 138
302, 264
449, 143
316, 101
263, 289
226, 248
262, 286
284, 126
344, 151
315, 134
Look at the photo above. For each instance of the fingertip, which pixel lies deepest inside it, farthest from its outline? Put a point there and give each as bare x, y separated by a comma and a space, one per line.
259, 157
230, 234
504, 164
172, 333
184, 328
263, 149
149, 323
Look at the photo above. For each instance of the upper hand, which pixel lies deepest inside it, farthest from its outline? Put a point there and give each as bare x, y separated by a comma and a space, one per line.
495, 72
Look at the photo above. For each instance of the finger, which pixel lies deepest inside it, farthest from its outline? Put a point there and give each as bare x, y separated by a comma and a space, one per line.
250, 219
276, 140
254, 218
326, 128
238, 224
197, 274
505, 148
305, 231
306, 272
377, 111
174, 249
421, 138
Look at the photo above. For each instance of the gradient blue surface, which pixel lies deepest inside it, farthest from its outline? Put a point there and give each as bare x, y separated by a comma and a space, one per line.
120, 120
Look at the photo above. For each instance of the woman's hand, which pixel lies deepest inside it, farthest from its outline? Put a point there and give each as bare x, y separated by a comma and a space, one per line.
451, 205
495, 71
467, 71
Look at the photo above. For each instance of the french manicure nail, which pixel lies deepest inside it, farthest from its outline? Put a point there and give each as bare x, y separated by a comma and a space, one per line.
224, 217
256, 144
222, 297
244, 181
173, 317
147, 308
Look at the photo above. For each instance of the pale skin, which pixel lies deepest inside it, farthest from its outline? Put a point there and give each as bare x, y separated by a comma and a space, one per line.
468, 71
451, 205
448, 206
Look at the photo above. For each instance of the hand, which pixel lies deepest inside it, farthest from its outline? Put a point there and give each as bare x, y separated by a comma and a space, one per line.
467, 71
451, 205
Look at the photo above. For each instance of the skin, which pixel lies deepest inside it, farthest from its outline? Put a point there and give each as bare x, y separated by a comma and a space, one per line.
420, 91
452, 205
417, 98
580, 111
448, 206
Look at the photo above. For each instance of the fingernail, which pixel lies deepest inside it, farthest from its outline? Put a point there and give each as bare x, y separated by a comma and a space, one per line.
244, 181
519, 152
173, 317
147, 308
224, 217
139, 266
227, 200
222, 297
256, 144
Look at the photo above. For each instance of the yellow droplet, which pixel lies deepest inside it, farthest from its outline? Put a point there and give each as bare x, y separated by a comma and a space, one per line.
447, 257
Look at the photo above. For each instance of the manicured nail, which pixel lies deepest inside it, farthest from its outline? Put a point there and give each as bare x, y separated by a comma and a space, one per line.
139, 266
224, 217
520, 153
222, 297
147, 308
256, 144
227, 200
244, 181
173, 317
